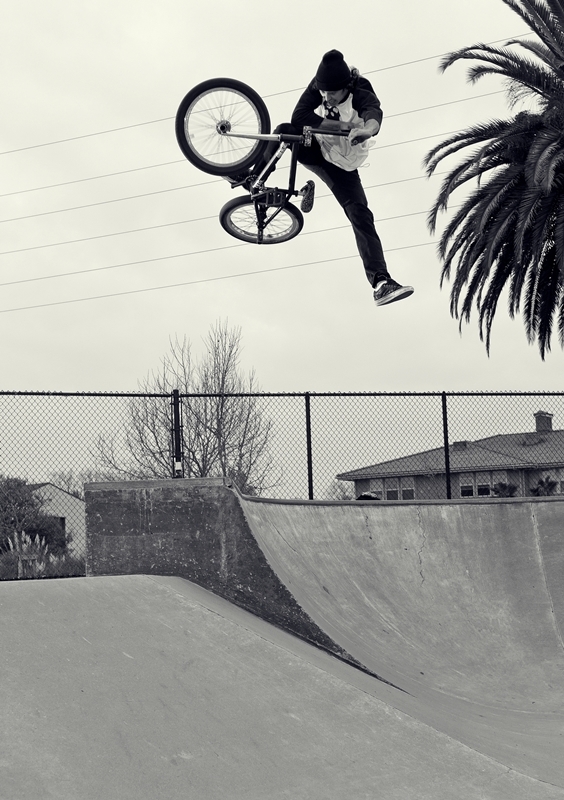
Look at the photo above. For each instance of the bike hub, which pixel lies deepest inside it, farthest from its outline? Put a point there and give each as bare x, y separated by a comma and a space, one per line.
223, 126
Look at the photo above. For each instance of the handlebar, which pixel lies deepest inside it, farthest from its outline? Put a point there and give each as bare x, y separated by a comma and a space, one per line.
301, 138
309, 132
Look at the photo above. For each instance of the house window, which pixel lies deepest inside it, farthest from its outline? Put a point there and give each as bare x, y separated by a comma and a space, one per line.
392, 489
484, 490
408, 494
376, 486
466, 490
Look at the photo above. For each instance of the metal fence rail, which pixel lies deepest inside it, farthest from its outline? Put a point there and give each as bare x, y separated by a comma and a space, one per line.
382, 445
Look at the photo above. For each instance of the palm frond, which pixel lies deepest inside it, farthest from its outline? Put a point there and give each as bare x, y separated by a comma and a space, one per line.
560, 321
476, 262
548, 290
477, 133
542, 16
529, 200
544, 148
552, 59
489, 303
526, 77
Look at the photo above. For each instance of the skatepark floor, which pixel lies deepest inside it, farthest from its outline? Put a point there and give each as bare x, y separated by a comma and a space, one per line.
151, 687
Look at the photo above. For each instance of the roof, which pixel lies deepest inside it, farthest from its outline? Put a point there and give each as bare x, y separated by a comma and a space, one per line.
35, 486
542, 450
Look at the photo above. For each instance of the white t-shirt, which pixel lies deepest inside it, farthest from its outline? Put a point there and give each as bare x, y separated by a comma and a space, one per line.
337, 149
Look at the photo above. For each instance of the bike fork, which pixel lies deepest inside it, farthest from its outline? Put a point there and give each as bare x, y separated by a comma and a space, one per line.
263, 220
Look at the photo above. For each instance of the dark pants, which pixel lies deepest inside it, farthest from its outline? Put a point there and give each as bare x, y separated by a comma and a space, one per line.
348, 190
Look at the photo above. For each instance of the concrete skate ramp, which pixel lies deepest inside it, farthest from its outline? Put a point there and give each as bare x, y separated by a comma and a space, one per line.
460, 604
138, 687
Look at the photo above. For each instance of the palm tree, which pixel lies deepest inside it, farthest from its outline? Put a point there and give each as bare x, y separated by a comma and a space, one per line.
509, 231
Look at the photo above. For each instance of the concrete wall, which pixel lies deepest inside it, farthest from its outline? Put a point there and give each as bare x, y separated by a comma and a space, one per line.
195, 529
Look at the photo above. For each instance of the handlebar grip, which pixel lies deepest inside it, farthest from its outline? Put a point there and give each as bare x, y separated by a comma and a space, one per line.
325, 132
309, 131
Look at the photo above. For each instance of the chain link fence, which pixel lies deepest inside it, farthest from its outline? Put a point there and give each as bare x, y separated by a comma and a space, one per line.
379, 446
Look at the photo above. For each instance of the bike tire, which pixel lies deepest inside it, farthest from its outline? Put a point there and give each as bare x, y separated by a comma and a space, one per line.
215, 105
238, 218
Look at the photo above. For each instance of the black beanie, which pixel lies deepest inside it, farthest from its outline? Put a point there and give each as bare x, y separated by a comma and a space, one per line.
332, 73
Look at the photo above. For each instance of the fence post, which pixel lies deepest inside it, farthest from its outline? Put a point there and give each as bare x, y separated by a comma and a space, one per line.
308, 445
446, 446
178, 461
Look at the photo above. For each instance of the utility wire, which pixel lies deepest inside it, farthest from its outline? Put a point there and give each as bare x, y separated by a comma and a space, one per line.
85, 136
179, 188
192, 253
183, 161
200, 280
273, 94
200, 219
101, 203
440, 105
95, 178
440, 55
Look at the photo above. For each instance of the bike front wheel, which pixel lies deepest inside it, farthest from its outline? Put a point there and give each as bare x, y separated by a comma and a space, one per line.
239, 218
209, 112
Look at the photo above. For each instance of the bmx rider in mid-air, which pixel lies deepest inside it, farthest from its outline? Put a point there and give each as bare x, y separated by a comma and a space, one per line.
339, 98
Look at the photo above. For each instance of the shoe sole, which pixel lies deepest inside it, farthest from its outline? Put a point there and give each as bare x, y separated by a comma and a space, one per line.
399, 294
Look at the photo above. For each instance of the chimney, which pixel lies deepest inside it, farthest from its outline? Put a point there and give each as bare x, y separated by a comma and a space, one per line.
543, 421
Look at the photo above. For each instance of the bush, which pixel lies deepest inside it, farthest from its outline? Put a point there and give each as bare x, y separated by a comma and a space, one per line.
29, 557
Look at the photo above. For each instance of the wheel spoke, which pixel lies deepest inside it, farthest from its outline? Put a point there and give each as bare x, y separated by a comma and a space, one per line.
204, 115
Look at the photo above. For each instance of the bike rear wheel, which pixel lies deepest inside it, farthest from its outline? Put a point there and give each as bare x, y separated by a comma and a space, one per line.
212, 109
239, 218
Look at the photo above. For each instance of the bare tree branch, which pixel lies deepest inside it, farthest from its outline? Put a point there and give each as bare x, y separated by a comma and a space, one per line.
225, 432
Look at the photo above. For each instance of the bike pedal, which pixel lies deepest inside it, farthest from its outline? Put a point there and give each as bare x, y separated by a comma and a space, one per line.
308, 196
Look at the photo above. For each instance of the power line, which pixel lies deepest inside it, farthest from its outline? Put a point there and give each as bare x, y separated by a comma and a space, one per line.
273, 94
192, 253
183, 161
104, 202
119, 266
200, 219
441, 105
200, 280
107, 235
440, 55
85, 136
95, 178
191, 186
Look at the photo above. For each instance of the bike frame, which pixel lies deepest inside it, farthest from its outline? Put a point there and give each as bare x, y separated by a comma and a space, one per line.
286, 140
264, 197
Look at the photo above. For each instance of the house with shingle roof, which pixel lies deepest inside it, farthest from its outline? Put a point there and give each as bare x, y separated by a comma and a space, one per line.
519, 460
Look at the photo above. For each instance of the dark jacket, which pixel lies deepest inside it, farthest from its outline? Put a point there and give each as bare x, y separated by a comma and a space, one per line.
364, 101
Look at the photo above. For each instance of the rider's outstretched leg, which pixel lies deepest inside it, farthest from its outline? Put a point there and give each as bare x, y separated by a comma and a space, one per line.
349, 192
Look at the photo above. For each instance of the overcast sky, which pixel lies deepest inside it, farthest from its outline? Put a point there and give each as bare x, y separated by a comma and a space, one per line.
120, 215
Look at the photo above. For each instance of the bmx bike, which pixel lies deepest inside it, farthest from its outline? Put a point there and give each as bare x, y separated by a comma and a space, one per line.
223, 129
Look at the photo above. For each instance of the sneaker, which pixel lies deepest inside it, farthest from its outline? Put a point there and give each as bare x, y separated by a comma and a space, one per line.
389, 291
308, 196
